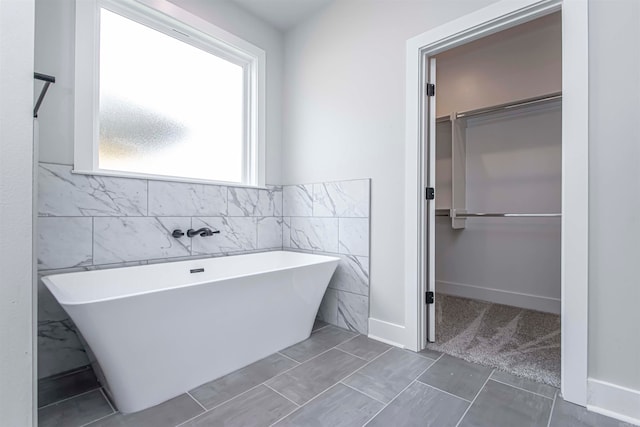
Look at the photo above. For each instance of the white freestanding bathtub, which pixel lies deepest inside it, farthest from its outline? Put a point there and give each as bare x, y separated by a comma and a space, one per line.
160, 330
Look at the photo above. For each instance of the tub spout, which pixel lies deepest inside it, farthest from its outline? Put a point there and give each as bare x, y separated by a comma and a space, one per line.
204, 232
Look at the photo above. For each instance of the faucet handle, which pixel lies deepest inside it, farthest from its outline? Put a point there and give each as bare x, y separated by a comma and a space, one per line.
177, 233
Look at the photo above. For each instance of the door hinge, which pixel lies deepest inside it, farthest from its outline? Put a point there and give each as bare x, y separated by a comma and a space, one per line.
430, 193
428, 298
431, 89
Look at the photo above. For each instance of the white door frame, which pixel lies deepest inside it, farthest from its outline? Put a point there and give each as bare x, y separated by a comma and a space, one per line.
575, 167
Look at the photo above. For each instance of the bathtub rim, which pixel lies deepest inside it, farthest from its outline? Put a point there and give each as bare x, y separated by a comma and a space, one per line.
49, 279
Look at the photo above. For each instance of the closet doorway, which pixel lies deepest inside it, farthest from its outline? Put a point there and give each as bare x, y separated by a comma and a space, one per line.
420, 219
498, 181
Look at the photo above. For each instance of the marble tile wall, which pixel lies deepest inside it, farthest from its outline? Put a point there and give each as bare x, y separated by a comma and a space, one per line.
91, 222
333, 218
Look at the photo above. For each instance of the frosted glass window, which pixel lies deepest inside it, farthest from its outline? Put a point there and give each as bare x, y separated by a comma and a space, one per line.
167, 107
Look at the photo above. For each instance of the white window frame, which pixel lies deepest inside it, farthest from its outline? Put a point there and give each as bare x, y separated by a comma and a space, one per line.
182, 25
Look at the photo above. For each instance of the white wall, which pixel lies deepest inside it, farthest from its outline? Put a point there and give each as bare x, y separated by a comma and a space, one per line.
16, 165
614, 180
513, 164
344, 110
518, 63
55, 22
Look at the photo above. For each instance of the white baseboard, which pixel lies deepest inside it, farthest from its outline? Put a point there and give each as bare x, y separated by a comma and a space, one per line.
386, 332
613, 401
499, 296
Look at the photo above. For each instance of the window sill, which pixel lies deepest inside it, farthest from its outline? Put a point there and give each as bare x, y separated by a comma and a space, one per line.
133, 175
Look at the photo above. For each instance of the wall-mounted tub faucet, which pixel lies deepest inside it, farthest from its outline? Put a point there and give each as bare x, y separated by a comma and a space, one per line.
204, 231
177, 233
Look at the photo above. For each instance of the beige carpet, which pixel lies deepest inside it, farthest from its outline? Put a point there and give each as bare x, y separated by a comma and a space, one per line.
522, 342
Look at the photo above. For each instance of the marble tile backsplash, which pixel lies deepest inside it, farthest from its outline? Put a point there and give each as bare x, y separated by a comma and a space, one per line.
333, 218
91, 222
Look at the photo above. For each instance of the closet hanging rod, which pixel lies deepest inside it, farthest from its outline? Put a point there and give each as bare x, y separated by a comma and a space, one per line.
500, 215
507, 215
47, 81
511, 105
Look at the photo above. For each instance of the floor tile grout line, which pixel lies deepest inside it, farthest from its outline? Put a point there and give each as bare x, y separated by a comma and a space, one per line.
366, 364
397, 395
264, 382
228, 400
301, 363
340, 381
305, 403
321, 328
196, 400
113, 408
113, 411
523, 389
350, 339
346, 352
276, 391
69, 398
331, 348
216, 406
331, 386
190, 419
553, 405
361, 392
286, 357
474, 399
98, 387
442, 391
424, 355
97, 419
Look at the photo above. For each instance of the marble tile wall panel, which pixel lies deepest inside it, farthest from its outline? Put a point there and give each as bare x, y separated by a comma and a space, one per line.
286, 232
343, 199
346, 302
297, 200
62, 193
318, 234
353, 311
254, 202
237, 234
328, 311
275, 198
354, 236
48, 308
118, 239
185, 199
64, 242
351, 275
59, 348
269, 232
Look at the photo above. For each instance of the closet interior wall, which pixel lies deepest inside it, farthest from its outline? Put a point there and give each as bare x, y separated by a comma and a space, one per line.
513, 164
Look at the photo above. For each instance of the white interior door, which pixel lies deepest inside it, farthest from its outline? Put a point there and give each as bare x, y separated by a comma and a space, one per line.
430, 261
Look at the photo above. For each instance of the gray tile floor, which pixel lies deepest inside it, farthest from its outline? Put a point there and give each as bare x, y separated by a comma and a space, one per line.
337, 378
